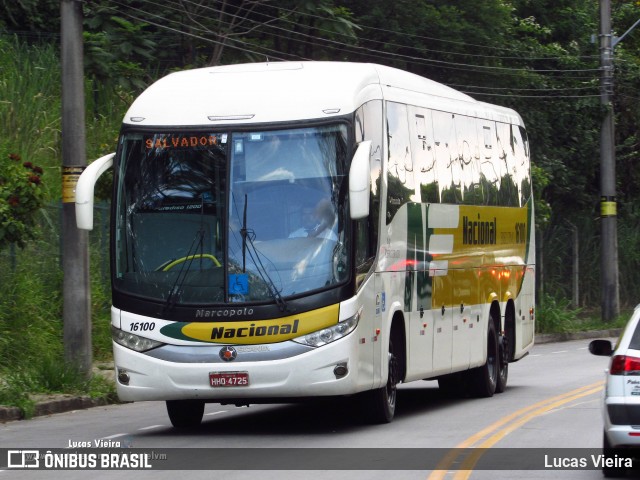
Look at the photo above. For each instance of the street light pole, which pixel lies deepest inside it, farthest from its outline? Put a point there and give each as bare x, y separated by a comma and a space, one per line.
608, 213
76, 310
608, 207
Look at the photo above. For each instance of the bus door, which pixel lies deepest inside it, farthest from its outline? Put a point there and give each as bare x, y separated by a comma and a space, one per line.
380, 303
465, 315
442, 318
417, 295
421, 325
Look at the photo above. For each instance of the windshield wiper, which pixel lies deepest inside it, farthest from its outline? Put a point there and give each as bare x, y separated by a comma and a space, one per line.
176, 288
264, 275
244, 233
248, 236
197, 242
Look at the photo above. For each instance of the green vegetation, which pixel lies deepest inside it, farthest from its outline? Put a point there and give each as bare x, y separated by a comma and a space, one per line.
49, 376
31, 305
557, 315
534, 56
20, 198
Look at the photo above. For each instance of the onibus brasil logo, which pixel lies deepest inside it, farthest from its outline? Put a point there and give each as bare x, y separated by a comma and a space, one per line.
80, 460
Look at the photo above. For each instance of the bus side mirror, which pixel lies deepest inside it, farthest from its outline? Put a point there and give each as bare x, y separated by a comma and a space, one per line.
359, 182
84, 191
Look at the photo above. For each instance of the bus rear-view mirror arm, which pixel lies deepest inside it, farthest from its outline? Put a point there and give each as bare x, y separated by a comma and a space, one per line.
84, 191
359, 180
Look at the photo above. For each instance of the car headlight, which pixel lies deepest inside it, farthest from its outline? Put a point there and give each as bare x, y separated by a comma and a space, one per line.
330, 334
133, 341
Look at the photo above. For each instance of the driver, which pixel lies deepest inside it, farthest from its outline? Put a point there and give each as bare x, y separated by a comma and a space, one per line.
317, 222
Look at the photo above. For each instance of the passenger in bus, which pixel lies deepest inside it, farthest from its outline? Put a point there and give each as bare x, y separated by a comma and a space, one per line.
317, 222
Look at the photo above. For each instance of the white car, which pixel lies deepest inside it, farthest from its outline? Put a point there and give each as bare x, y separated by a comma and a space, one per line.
621, 409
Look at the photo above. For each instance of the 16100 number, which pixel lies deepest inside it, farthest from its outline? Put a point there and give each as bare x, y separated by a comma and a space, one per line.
142, 326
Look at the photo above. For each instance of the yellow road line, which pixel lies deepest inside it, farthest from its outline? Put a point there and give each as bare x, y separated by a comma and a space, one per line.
504, 426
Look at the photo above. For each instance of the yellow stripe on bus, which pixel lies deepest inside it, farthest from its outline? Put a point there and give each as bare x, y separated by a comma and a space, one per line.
248, 332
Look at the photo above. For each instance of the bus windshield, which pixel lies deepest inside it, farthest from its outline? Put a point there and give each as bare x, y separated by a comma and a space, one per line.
208, 217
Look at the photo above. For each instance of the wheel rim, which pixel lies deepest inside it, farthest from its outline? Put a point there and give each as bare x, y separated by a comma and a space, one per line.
503, 353
492, 359
392, 381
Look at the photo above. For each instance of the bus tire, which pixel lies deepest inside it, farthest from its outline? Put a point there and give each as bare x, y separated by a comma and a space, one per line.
483, 380
503, 364
185, 413
382, 401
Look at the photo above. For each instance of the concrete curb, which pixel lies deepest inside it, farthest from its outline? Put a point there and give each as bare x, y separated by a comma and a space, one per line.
568, 336
9, 414
50, 404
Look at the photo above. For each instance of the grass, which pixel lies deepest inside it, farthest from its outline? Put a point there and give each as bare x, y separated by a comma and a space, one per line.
49, 375
31, 345
557, 315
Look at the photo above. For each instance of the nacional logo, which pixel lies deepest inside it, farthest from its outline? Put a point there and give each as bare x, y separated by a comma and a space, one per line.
228, 353
479, 232
256, 332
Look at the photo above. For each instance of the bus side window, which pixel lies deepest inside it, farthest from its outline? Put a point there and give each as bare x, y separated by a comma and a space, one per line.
465, 168
521, 163
493, 171
424, 154
400, 180
508, 195
445, 146
368, 126
483, 191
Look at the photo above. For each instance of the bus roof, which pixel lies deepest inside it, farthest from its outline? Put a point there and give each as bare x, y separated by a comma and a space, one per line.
289, 91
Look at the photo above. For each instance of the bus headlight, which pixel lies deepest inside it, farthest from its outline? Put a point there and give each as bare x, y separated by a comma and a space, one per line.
331, 334
132, 341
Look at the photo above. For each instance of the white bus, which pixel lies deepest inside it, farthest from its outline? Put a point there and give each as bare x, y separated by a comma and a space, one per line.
286, 231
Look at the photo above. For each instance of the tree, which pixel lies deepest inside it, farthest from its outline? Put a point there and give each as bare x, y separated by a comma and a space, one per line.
118, 51
34, 16
221, 25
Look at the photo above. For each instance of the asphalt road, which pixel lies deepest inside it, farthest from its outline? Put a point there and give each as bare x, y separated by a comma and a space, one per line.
552, 403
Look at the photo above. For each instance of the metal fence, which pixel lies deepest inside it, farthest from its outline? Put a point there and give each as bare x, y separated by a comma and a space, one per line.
42, 257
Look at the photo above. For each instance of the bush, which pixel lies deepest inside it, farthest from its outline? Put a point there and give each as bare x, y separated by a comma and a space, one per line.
49, 374
556, 315
21, 196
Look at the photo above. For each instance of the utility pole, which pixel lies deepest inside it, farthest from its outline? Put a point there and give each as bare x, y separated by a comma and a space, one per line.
75, 252
608, 210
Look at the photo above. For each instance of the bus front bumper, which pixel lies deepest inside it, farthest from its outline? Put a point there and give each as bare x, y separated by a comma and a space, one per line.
181, 373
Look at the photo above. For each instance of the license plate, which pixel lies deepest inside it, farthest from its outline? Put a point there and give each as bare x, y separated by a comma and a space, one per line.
229, 379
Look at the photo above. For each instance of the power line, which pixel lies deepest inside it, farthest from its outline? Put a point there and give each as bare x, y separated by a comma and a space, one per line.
539, 89
277, 55
199, 37
422, 37
423, 49
415, 58
528, 96
373, 52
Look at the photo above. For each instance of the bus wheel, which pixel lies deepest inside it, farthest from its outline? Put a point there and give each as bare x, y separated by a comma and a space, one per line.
382, 401
185, 413
503, 364
484, 379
